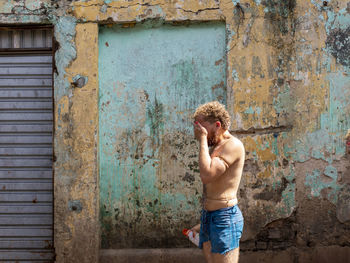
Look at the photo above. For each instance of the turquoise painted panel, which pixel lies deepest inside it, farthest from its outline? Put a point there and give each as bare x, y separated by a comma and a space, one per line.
151, 79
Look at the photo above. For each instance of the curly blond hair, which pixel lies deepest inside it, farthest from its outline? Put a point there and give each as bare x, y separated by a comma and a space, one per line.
347, 136
214, 111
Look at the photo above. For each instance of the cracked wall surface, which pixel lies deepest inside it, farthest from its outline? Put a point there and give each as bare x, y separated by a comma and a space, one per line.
149, 183
287, 84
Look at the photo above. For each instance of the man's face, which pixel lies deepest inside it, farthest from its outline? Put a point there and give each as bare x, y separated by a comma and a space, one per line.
211, 129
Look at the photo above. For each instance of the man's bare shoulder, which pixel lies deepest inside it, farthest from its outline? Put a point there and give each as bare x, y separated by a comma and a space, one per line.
232, 150
233, 144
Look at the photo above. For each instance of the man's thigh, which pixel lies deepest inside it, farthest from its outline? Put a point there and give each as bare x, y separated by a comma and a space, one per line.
230, 257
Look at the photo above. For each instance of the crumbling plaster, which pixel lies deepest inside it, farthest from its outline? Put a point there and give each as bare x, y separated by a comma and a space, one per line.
288, 94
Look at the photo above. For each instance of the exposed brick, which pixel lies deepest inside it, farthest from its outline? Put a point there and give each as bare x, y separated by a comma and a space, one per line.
247, 245
261, 245
279, 245
274, 234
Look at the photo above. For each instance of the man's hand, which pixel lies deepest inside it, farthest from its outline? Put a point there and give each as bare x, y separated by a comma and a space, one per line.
196, 228
199, 131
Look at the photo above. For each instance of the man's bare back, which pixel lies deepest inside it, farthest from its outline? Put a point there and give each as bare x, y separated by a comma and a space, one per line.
223, 191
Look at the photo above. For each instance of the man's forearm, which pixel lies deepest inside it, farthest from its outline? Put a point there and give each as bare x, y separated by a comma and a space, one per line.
204, 158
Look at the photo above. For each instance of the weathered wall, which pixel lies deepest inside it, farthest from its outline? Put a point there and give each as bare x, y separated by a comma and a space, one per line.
287, 90
152, 78
76, 226
296, 185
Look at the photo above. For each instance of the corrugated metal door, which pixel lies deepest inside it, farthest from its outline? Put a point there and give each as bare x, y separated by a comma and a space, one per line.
26, 121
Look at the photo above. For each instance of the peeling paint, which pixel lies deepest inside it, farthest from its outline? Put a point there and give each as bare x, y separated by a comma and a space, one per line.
65, 36
287, 66
146, 148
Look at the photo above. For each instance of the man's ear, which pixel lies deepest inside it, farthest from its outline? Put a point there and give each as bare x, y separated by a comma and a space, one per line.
218, 124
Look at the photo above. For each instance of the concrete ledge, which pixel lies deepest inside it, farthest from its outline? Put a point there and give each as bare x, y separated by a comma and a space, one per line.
331, 254
170, 255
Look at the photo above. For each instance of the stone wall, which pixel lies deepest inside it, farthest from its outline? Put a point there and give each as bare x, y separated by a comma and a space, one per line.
287, 91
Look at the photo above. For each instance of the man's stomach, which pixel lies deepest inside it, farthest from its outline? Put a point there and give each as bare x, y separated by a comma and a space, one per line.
212, 203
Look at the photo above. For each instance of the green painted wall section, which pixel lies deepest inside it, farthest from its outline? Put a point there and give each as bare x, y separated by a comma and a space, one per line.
151, 80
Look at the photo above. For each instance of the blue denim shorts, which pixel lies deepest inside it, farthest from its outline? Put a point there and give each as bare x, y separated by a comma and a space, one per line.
223, 228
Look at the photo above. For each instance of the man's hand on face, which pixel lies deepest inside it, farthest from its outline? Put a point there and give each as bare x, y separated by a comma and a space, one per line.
199, 131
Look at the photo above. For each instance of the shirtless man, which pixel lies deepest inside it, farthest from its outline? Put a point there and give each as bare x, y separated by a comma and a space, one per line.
220, 171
